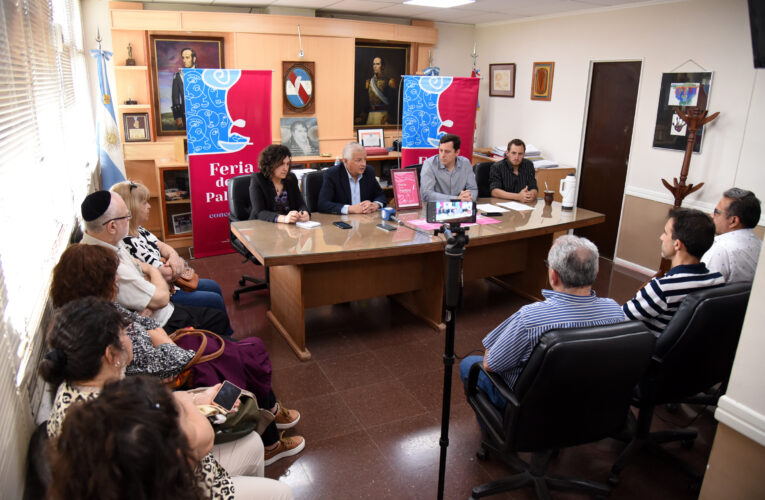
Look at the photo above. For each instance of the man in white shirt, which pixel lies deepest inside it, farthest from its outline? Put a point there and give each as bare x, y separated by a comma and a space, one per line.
736, 248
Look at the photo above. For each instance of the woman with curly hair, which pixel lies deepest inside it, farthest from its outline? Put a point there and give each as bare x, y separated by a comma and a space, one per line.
90, 349
137, 440
91, 271
274, 192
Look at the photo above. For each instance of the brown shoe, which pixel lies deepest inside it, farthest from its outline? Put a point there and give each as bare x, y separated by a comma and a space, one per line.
285, 418
286, 447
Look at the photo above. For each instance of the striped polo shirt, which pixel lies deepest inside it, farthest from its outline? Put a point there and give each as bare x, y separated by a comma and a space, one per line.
509, 346
657, 302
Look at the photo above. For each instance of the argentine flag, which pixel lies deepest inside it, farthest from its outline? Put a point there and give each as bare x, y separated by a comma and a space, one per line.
108, 133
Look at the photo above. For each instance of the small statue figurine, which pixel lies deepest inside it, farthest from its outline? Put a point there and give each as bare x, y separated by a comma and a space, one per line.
130, 61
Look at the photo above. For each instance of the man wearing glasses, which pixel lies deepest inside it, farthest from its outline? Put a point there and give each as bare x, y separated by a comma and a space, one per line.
736, 249
141, 287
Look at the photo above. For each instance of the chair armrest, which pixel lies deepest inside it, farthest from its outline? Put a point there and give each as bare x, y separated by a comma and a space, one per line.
496, 380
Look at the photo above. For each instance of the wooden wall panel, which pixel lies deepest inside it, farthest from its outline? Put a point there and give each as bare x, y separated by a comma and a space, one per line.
334, 80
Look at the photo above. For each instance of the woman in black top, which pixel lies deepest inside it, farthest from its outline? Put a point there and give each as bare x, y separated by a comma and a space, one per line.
274, 192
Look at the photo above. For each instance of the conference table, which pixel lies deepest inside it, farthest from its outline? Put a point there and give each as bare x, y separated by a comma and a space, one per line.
329, 265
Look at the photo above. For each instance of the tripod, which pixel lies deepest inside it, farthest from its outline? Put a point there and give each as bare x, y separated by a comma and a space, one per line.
455, 248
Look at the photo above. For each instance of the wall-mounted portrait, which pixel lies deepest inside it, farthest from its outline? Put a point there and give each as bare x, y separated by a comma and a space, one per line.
169, 55
300, 135
379, 69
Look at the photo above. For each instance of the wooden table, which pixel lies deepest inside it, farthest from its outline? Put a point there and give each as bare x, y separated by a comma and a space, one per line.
329, 265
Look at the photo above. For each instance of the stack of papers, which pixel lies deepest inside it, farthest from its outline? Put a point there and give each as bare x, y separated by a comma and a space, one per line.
532, 150
544, 164
308, 224
514, 205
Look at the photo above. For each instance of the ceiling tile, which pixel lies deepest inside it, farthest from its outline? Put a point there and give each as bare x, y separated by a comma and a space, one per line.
308, 4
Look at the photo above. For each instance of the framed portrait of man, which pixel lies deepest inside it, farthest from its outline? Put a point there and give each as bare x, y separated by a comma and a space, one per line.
379, 70
300, 135
169, 55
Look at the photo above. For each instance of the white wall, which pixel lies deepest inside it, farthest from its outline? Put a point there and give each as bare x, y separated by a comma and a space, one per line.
453, 53
712, 33
743, 406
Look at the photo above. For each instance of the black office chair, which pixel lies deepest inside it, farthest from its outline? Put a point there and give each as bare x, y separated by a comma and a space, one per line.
239, 210
417, 166
575, 389
694, 352
482, 178
38, 475
311, 185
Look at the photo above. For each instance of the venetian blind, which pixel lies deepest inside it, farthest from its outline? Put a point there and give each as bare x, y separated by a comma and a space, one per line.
47, 153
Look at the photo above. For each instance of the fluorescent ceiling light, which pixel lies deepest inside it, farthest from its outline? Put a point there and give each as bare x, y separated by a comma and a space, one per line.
444, 4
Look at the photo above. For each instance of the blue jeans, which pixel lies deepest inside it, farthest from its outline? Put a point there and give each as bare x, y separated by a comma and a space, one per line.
483, 381
207, 294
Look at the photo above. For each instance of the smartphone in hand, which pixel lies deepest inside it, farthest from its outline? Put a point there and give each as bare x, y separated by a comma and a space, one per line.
227, 396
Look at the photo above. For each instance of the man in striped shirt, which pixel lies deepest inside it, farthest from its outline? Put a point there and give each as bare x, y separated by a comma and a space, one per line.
687, 234
572, 266
514, 177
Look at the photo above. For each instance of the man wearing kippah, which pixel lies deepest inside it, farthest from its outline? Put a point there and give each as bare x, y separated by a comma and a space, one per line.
141, 287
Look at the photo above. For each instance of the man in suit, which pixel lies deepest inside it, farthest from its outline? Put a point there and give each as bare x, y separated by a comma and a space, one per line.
351, 188
189, 60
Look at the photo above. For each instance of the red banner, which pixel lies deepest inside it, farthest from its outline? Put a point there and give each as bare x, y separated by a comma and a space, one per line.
228, 120
434, 106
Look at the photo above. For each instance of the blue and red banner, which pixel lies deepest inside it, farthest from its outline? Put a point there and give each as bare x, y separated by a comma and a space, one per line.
228, 123
434, 106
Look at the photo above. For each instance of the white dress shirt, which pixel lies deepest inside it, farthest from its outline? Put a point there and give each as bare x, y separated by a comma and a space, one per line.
734, 254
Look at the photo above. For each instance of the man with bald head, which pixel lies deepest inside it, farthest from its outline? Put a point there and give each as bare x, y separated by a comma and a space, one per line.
351, 188
141, 287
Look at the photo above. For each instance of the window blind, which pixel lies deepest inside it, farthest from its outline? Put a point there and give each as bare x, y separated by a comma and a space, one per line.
47, 154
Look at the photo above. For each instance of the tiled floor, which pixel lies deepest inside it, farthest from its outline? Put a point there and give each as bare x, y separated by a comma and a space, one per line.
371, 399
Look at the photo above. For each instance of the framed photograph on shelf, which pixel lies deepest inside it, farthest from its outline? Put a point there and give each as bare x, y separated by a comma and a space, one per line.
182, 223
300, 135
502, 80
169, 55
542, 81
136, 126
406, 188
378, 69
299, 87
371, 137
680, 90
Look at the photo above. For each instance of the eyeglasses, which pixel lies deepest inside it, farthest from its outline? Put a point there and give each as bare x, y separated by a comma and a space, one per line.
128, 217
719, 212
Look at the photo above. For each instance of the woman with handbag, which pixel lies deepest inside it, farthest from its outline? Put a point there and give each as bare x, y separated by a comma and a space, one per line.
91, 271
90, 349
189, 289
274, 192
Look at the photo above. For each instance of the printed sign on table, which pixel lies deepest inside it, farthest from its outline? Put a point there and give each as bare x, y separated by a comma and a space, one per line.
435, 106
228, 122
406, 189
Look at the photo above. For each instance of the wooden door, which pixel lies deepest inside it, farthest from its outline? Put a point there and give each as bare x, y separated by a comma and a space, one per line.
610, 116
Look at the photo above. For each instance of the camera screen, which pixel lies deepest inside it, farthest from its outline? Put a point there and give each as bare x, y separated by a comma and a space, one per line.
452, 211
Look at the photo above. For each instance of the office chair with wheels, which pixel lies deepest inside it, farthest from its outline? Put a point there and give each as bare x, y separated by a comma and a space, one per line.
239, 210
482, 178
417, 166
575, 389
694, 353
311, 185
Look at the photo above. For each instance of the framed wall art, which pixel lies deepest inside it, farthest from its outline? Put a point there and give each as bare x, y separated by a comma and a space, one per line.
136, 126
169, 55
502, 80
542, 81
379, 68
299, 87
300, 135
680, 90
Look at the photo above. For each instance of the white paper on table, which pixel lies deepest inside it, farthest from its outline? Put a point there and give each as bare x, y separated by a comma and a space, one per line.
514, 205
488, 207
308, 224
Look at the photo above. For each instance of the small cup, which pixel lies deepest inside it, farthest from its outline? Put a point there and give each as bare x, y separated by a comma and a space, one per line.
549, 197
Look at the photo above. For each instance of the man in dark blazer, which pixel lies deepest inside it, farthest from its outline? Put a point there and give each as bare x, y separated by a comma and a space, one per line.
351, 188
